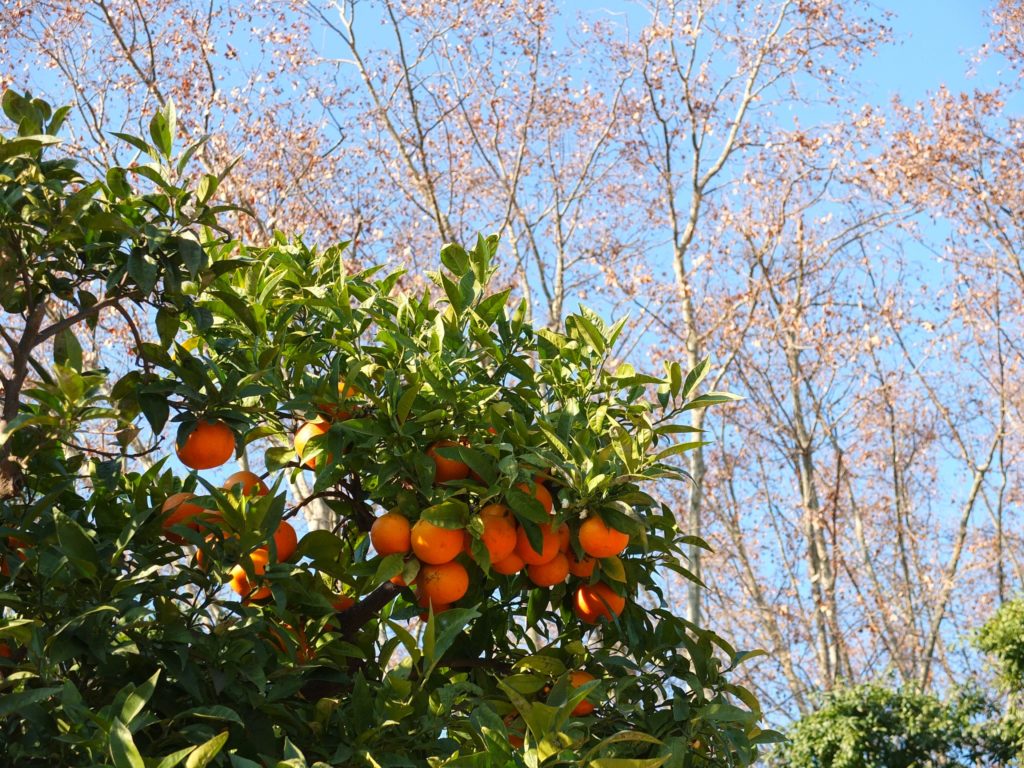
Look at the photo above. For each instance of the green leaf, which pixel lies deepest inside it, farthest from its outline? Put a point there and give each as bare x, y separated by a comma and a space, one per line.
694, 377
320, 545
67, 350
143, 270
76, 544
175, 758
167, 324
136, 142
25, 145
455, 258
18, 702
156, 410
453, 621
122, 747
710, 398
623, 737
136, 700
406, 401
192, 255
680, 448
450, 513
162, 128
204, 753
629, 762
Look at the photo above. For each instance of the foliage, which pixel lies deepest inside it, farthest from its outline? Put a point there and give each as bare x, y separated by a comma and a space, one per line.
1002, 639
872, 725
123, 648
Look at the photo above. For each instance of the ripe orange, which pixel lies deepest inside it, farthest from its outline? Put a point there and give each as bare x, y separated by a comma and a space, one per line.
540, 493
200, 555
596, 601
307, 432
17, 545
247, 483
550, 573
305, 651
444, 583
240, 581
563, 538
342, 603
549, 546
285, 541
499, 531
446, 469
334, 411
5, 651
584, 568
390, 534
516, 729
435, 545
209, 445
177, 511
599, 539
339, 603
510, 565
577, 678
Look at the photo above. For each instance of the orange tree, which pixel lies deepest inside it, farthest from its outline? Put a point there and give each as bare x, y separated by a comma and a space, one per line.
492, 591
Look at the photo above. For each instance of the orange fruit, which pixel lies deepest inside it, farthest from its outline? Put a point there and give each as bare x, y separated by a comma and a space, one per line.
550, 573
247, 483
540, 493
209, 445
339, 603
240, 581
177, 511
499, 534
563, 538
515, 727
510, 565
434, 545
446, 469
6, 652
444, 583
201, 556
342, 603
335, 411
304, 651
596, 601
240, 584
398, 581
549, 546
285, 541
307, 432
577, 678
390, 534
17, 545
598, 539
13, 542
584, 568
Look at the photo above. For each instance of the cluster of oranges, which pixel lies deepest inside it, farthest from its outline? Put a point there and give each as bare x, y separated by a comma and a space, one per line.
210, 445
441, 553
442, 579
